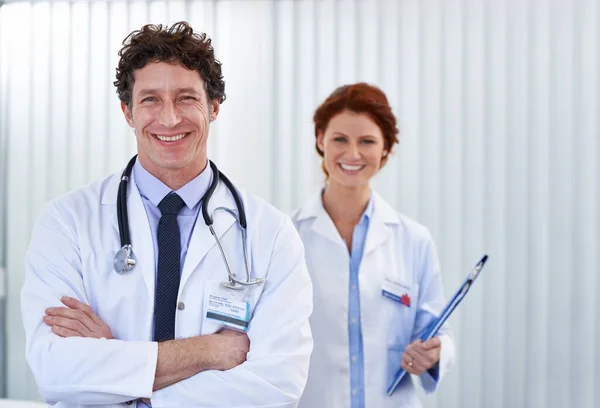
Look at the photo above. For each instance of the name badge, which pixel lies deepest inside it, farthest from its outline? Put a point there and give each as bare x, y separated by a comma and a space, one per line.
396, 291
231, 313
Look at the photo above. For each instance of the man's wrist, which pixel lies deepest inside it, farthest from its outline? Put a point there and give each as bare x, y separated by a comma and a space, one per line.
180, 359
203, 348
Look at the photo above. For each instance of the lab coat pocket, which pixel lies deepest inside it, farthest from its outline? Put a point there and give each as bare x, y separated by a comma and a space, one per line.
401, 298
402, 292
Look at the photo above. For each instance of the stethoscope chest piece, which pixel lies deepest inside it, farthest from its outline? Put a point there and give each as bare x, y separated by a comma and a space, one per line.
124, 259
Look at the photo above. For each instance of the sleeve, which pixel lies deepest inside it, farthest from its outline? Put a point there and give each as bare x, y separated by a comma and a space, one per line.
431, 303
77, 370
276, 369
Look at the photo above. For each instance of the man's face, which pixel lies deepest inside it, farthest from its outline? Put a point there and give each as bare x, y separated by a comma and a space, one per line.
170, 114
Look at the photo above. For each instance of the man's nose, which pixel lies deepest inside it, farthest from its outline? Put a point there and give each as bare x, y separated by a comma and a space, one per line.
169, 115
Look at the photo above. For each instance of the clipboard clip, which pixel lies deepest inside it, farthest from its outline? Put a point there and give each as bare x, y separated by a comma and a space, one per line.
473, 275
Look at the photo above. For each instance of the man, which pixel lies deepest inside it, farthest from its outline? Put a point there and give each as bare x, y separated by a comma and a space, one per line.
166, 333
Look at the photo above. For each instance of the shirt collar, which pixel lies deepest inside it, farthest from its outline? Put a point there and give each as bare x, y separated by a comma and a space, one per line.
155, 190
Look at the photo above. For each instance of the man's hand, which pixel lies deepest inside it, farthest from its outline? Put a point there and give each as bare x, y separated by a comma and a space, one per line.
229, 349
77, 319
180, 359
419, 357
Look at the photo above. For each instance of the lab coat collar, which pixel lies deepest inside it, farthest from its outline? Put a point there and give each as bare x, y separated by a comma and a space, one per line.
383, 211
314, 206
110, 190
322, 225
379, 231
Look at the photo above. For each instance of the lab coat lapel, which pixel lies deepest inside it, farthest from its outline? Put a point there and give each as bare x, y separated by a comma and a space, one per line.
325, 227
322, 225
202, 240
379, 229
109, 198
141, 237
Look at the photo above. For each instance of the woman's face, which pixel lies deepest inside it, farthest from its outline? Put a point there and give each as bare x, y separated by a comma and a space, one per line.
353, 147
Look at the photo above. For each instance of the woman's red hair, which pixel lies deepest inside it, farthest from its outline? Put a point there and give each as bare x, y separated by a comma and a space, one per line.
359, 98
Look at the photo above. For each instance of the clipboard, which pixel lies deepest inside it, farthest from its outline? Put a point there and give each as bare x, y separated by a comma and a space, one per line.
435, 325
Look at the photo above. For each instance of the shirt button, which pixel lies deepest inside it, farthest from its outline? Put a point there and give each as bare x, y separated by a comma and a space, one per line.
353, 287
354, 391
353, 321
180, 305
354, 359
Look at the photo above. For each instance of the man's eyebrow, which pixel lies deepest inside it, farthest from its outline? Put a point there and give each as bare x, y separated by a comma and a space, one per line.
186, 90
151, 91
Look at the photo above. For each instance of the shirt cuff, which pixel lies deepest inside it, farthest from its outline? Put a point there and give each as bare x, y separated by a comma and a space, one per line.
434, 372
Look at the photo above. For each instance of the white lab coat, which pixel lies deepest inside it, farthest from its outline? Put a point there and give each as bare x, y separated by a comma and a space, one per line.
396, 248
71, 253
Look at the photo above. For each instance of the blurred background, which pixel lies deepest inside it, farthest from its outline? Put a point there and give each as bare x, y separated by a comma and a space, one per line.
498, 106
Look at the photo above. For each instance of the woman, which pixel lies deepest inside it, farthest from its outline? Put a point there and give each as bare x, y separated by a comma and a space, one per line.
375, 273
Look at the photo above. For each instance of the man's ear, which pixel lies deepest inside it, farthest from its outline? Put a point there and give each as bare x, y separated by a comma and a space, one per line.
215, 108
127, 114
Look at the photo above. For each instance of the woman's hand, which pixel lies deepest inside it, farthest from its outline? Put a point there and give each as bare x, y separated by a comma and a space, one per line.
420, 357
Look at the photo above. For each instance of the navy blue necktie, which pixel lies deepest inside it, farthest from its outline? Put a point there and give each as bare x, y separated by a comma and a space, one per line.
168, 268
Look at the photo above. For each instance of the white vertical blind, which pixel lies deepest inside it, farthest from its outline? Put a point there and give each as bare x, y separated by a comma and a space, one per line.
498, 110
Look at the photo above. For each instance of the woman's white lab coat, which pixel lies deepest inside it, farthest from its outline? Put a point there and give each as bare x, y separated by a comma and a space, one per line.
71, 253
399, 254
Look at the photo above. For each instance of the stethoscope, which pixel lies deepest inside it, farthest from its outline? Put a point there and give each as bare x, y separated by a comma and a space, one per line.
125, 259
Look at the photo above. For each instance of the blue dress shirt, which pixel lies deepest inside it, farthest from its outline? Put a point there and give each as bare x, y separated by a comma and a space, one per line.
357, 368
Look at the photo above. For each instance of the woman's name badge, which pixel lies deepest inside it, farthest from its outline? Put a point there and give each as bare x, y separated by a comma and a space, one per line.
396, 291
233, 314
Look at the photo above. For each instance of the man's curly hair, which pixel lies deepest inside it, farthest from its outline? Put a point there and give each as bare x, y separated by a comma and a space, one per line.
177, 43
